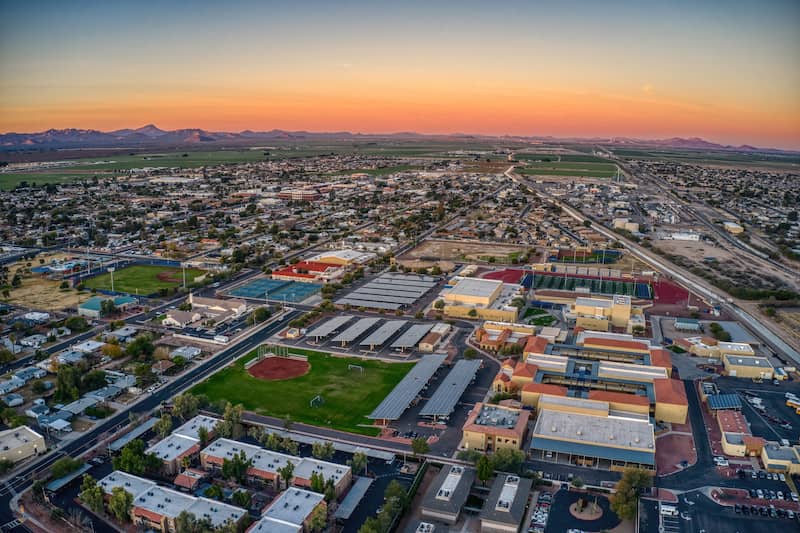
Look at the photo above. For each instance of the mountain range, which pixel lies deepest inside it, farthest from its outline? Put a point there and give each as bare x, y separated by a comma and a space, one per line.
153, 136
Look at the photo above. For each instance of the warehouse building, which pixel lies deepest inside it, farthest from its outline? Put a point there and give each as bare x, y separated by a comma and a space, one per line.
781, 459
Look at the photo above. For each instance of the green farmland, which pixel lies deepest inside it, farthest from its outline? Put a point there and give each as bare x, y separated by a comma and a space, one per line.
143, 279
348, 395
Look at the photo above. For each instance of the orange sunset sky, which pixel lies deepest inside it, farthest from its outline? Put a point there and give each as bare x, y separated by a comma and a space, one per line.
726, 71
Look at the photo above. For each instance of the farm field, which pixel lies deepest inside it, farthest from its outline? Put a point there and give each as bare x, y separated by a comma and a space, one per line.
143, 279
348, 396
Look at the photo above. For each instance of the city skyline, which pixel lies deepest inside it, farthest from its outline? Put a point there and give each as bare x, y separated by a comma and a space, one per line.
723, 73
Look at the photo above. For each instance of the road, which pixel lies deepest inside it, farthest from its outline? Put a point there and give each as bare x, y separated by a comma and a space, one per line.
754, 324
105, 429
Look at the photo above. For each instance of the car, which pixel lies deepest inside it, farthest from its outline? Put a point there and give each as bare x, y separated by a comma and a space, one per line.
740, 473
780, 495
754, 509
753, 474
795, 497
772, 495
774, 476
737, 509
781, 477
781, 513
776, 382
759, 493
790, 514
763, 511
745, 510
752, 492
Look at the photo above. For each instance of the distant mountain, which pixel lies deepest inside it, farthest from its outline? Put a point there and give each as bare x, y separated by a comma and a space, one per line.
153, 136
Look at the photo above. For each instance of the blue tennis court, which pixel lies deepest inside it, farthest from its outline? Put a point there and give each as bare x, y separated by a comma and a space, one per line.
289, 291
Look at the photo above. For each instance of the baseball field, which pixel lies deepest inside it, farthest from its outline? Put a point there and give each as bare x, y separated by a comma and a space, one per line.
143, 279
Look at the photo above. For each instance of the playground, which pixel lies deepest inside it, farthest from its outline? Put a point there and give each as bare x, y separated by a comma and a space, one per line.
348, 388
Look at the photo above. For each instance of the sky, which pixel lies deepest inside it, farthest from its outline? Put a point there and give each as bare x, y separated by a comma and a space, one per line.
728, 71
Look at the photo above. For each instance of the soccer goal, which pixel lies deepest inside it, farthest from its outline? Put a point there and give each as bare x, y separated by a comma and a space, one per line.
356, 367
316, 401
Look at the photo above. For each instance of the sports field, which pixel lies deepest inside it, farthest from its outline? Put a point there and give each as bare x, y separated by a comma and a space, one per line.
143, 279
559, 282
348, 395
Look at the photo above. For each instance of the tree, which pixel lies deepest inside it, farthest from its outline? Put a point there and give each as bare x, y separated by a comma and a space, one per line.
484, 467
419, 446
91, 494
68, 381
508, 460
6, 356
6, 465
164, 426
230, 427
470, 353
141, 347
242, 498
625, 502
318, 520
107, 308
322, 451
359, 462
286, 473
371, 525
235, 469
93, 380
472, 313
114, 351
214, 492
120, 504
577, 482
317, 482
185, 406
202, 436
65, 465
76, 324
133, 460
439, 304
187, 522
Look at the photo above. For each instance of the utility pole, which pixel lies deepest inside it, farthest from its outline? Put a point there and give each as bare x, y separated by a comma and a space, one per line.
111, 271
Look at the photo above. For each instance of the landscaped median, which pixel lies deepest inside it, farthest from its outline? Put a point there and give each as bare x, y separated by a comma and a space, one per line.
347, 393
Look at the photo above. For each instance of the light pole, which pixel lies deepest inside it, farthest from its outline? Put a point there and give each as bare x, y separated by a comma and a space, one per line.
111, 271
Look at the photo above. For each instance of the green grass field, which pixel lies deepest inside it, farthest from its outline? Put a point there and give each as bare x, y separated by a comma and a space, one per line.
142, 279
348, 395
569, 168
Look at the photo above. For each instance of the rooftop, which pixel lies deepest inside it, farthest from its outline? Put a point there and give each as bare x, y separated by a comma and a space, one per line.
483, 288
449, 490
293, 505
507, 499
173, 447
607, 431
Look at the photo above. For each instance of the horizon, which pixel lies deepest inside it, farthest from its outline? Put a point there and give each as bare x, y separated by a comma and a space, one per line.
722, 73
408, 132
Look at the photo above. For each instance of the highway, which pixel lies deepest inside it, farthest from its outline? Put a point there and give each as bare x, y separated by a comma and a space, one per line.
105, 429
701, 288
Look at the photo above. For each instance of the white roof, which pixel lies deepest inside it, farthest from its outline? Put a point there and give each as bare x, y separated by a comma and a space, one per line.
614, 431
171, 447
475, 287
294, 505
192, 426
88, 346
328, 470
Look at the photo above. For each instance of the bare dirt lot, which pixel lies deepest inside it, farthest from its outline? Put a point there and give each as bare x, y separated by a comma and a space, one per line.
437, 249
37, 291
275, 368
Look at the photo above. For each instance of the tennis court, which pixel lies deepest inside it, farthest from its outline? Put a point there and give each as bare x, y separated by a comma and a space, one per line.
273, 289
560, 282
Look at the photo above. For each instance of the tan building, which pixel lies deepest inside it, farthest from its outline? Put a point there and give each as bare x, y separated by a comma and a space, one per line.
494, 427
484, 299
601, 314
494, 336
20, 443
747, 367
671, 403
711, 347
784, 459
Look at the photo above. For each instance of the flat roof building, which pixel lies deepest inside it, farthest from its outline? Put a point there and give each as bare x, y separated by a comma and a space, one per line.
20, 443
447, 494
291, 511
743, 366
494, 427
505, 506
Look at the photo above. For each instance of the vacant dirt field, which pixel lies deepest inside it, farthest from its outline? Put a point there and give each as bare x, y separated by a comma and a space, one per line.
39, 292
462, 251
